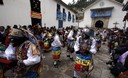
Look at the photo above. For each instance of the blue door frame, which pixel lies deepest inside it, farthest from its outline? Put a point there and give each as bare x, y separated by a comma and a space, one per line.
60, 23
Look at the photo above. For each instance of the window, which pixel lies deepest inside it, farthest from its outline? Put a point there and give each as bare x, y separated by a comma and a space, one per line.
59, 14
73, 18
35, 5
69, 16
58, 7
64, 15
63, 10
1, 2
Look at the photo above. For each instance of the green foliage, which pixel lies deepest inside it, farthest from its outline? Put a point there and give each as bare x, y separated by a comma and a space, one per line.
83, 3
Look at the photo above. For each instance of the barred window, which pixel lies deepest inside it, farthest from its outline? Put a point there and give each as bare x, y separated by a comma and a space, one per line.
35, 5
1, 2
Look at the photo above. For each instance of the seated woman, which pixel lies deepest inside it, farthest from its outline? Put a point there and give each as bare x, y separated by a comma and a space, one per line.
26, 54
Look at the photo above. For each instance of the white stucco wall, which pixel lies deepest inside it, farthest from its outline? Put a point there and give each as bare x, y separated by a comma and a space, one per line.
117, 14
69, 23
49, 14
15, 12
125, 1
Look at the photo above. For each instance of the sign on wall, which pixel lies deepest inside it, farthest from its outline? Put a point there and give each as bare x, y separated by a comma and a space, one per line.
101, 13
36, 15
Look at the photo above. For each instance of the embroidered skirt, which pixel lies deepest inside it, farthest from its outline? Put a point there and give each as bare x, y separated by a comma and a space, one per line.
46, 45
83, 63
56, 53
98, 44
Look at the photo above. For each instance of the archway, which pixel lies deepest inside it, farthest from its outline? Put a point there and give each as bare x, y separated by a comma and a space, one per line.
99, 24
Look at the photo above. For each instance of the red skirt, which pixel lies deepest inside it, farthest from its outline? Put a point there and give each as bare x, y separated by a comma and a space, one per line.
99, 45
56, 54
46, 46
124, 75
108, 45
81, 68
82, 65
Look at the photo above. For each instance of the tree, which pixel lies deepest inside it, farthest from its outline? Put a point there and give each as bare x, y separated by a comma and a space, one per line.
81, 3
73, 1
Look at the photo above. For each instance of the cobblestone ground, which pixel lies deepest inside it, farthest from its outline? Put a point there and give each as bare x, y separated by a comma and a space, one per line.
65, 69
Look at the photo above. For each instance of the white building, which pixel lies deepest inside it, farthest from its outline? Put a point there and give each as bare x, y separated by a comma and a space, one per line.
57, 13
45, 12
15, 12
103, 13
125, 8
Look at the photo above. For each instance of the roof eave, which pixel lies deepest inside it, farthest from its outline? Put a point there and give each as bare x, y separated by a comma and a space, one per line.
102, 8
125, 8
64, 4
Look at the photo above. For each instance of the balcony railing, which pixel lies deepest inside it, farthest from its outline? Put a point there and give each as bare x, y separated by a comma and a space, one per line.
73, 19
69, 18
64, 16
59, 15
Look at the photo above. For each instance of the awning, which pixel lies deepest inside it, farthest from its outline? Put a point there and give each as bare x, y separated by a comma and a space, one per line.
101, 12
105, 8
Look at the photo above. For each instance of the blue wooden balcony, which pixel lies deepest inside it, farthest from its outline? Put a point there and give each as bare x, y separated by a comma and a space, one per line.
73, 18
69, 18
64, 16
59, 15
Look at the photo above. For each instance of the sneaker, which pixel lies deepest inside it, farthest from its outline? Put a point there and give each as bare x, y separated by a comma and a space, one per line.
58, 61
55, 63
68, 55
56, 66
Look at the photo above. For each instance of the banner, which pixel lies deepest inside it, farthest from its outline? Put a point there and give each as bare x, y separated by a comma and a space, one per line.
36, 15
101, 13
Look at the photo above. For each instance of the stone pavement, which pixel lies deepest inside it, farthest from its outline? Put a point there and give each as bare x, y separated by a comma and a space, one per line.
65, 69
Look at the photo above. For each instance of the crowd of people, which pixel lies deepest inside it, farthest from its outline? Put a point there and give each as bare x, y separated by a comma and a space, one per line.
118, 49
25, 45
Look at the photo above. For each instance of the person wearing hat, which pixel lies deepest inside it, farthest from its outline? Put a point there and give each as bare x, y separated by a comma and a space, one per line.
83, 62
21, 49
56, 49
70, 44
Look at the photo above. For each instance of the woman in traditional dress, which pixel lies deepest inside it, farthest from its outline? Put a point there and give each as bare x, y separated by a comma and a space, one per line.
98, 40
56, 49
27, 55
70, 44
84, 62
